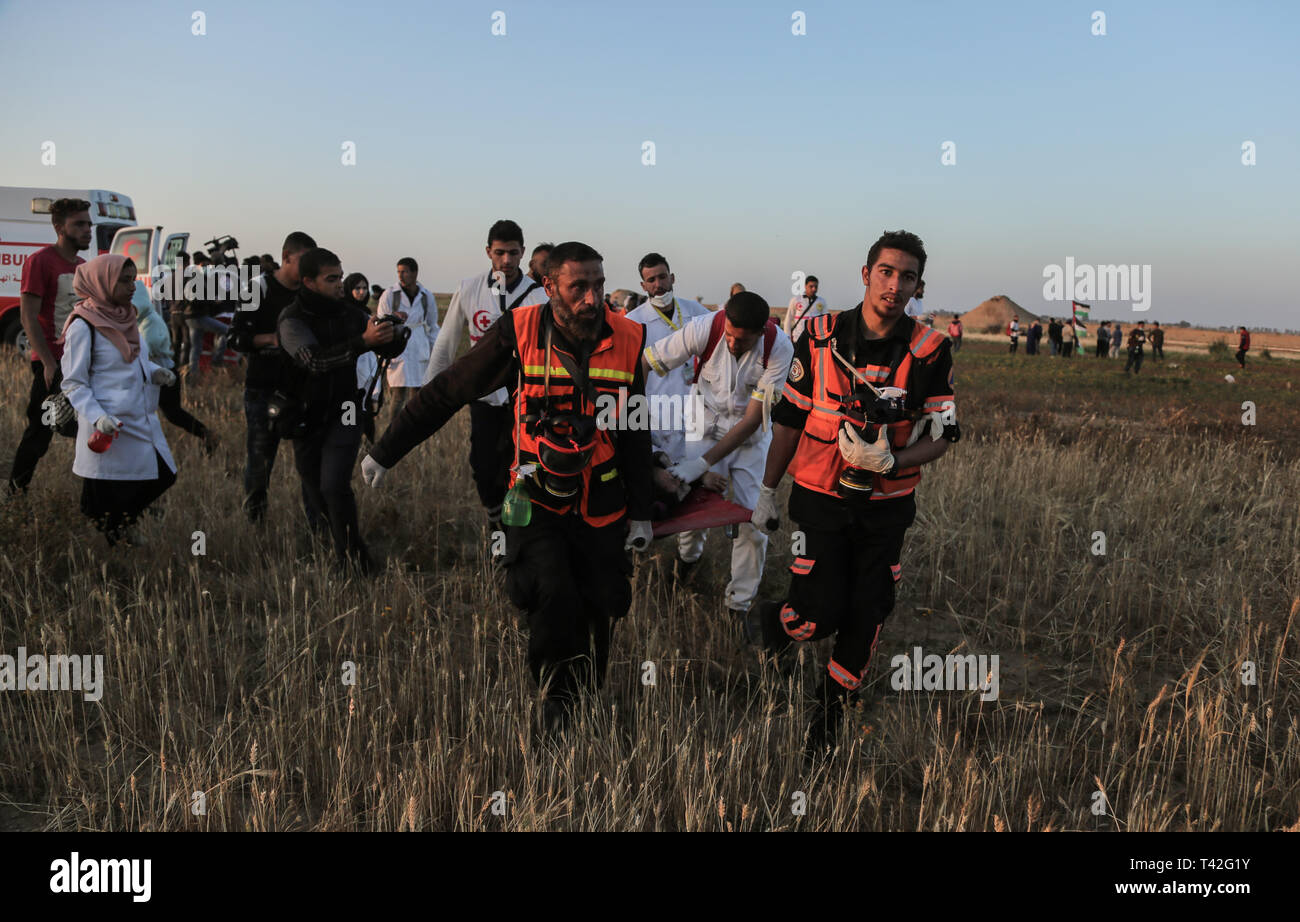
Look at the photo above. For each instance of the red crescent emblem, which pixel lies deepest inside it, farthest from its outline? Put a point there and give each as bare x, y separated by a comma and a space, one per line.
482, 321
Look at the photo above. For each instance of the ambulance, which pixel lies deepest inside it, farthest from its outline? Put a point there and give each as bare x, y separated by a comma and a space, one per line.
25, 227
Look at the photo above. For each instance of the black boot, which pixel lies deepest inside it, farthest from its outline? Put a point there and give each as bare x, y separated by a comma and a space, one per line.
827, 712
763, 627
556, 714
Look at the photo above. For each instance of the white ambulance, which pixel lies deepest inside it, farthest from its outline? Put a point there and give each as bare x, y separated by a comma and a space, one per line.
25, 227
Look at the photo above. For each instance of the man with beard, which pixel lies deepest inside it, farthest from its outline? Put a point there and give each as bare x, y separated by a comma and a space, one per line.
45, 301
580, 495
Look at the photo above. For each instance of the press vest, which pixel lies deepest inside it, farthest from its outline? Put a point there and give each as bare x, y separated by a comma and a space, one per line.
817, 462
610, 370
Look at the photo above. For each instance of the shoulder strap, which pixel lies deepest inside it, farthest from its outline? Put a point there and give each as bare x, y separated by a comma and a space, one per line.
769, 337
527, 291
716, 328
90, 326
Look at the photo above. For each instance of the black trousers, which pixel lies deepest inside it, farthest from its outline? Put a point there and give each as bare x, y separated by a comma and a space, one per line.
843, 583
1241, 360
572, 581
169, 402
1134, 362
491, 447
324, 459
180, 331
262, 447
1157, 352
114, 505
35, 441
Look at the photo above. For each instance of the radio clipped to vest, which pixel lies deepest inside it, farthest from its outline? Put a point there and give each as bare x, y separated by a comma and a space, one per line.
866, 408
564, 435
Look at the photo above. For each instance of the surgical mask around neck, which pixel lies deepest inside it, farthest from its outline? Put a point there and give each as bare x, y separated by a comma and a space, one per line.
663, 301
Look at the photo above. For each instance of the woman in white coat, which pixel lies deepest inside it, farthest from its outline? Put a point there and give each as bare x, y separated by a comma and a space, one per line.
113, 386
415, 306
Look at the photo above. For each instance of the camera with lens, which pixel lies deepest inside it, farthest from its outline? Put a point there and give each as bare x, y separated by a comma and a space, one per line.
865, 410
401, 332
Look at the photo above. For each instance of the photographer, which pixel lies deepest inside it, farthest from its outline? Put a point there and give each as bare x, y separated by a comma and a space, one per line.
853, 492
253, 331
322, 335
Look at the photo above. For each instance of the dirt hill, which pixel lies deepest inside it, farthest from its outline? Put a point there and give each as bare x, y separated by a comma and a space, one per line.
996, 313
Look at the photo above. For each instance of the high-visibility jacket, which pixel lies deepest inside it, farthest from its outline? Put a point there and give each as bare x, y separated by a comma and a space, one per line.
817, 462
610, 370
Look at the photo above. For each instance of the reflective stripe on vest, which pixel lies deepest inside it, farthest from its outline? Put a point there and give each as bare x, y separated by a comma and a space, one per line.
817, 462
611, 370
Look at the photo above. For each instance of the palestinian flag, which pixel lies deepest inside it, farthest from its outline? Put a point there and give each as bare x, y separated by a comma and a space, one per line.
1079, 320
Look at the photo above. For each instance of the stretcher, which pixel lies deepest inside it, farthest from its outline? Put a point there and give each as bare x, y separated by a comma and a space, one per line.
699, 510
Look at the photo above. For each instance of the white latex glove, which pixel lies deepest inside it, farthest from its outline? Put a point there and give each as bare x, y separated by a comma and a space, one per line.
163, 377
372, 471
108, 425
639, 536
868, 456
690, 471
766, 517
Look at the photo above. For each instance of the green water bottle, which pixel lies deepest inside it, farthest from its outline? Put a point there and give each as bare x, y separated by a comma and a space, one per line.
517, 509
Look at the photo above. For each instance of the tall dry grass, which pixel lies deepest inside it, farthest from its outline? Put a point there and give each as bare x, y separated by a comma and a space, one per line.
1119, 673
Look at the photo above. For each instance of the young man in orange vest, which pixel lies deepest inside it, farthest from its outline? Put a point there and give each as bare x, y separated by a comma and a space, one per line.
852, 499
588, 490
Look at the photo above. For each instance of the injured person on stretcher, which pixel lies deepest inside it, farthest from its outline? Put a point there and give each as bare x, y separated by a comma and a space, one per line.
680, 506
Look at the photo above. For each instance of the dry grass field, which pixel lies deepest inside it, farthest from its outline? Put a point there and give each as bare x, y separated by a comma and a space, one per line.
1120, 673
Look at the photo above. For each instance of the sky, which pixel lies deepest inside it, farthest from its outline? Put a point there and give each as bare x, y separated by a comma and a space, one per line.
775, 153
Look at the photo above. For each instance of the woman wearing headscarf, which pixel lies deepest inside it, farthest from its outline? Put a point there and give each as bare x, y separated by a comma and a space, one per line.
113, 385
356, 292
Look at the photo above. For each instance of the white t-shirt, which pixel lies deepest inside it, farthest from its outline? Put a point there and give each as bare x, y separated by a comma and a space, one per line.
659, 324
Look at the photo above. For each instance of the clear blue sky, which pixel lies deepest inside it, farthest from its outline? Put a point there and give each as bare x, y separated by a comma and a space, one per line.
775, 153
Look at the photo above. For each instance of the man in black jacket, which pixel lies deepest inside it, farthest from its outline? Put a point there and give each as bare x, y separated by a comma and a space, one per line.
321, 336
253, 332
1055, 336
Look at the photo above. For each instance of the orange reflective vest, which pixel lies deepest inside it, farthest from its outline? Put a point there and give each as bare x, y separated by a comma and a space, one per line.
817, 462
610, 370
